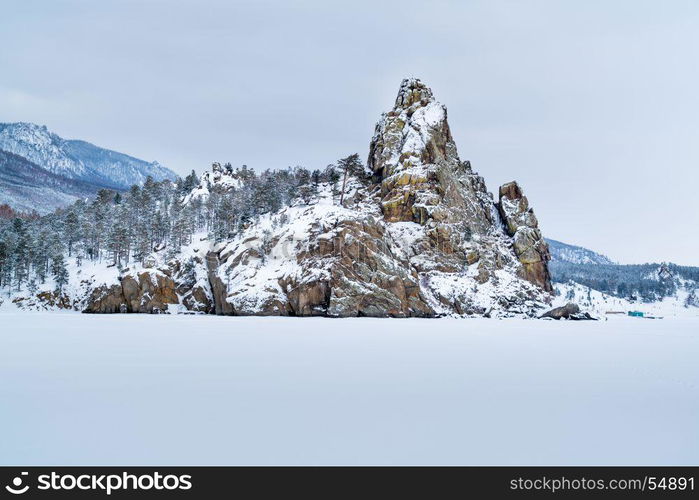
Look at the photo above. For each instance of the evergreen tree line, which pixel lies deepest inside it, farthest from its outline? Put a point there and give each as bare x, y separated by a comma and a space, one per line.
123, 227
633, 282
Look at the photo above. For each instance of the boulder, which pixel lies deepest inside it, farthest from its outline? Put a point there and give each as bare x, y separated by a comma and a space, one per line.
568, 311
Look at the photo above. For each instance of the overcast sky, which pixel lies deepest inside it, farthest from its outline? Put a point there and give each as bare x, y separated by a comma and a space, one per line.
592, 106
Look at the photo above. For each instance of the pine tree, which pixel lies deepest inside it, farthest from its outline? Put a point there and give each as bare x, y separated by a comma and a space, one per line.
59, 271
350, 166
332, 176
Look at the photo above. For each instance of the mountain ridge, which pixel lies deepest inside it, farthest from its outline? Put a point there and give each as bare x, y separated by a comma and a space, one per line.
84, 168
575, 254
26, 187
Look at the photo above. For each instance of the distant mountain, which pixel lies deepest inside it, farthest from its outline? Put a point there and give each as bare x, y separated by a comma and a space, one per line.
562, 252
575, 268
26, 187
78, 160
41, 171
636, 283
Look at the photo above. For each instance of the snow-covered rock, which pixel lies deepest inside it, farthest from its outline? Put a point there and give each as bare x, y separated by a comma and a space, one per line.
422, 237
219, 178
529, 245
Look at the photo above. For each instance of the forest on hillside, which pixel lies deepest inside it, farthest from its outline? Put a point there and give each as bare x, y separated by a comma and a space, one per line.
642, 282
121, 227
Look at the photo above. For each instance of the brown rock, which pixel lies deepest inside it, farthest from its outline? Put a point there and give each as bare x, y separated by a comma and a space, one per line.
218, 287
568, 311
148, 291
529, 245
106, 299
423, 239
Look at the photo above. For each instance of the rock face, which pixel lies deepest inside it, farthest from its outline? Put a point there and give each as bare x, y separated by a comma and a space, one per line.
341, 264
145, 292
44, 301
529, 245
413, 157
423, 238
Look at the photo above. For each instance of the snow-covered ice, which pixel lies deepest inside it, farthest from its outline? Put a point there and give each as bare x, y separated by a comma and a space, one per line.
141, 389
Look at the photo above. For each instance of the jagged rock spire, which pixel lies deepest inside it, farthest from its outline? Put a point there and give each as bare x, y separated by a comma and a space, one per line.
414, 133
433, 243
411, 91
413, 156
529, 245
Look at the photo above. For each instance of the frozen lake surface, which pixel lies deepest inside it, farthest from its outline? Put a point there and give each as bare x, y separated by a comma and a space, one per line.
177, 390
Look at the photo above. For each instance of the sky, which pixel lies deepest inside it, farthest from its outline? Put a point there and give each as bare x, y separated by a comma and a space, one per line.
593, 107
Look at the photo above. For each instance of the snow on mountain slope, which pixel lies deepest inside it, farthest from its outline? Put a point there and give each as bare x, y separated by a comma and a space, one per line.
27, 187
600, 303
317, 258
646, 283
113, 168
76, 159
563, 252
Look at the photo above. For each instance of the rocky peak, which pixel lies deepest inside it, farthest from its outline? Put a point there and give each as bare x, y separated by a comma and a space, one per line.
514, 207
413, 91
410, 136
422, 179
413, 156
425, 239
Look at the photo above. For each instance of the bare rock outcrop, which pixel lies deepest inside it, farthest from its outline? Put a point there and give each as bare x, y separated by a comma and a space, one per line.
148, 291
423, 238
366, 277
529, 244
106, 299
342, 265
413, 157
